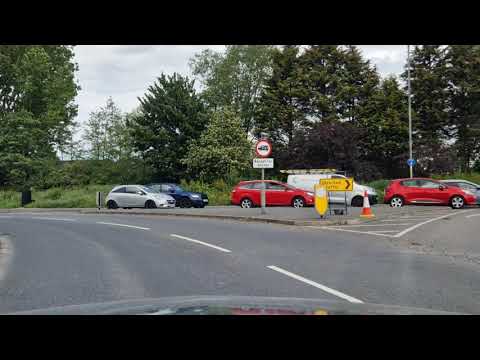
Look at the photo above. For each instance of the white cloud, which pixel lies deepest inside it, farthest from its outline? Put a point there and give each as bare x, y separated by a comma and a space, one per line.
124, 72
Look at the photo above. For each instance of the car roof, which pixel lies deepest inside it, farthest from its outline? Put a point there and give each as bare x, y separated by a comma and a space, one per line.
415, 178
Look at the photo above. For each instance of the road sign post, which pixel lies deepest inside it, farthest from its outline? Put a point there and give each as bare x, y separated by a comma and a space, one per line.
263, 149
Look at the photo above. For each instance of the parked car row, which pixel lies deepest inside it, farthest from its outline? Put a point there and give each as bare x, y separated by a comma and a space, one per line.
298, 192
151, 196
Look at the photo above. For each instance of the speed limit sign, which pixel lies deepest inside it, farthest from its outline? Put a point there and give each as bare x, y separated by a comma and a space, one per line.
263, 148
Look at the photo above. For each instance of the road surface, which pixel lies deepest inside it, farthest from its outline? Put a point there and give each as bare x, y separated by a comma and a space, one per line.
58, 259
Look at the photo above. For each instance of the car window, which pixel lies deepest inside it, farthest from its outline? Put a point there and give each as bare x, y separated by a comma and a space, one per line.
257, 186
132, 190
246, 186
273, 186
148, 189
426, 184
120, 190
154, 186
466, 186
165, 188
337, 177
410, 183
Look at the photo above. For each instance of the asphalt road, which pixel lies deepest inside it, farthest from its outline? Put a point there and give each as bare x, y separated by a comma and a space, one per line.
53, 259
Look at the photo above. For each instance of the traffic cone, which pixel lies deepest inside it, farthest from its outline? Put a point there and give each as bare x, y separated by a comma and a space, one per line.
366, 211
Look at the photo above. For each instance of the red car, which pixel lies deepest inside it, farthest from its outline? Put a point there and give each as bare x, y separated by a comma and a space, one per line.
247, 194
426, 191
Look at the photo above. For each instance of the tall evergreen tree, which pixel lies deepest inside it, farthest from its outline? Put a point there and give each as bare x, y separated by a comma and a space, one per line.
171, 116
464, 89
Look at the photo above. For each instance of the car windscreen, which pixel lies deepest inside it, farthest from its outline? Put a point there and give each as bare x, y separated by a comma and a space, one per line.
177, 188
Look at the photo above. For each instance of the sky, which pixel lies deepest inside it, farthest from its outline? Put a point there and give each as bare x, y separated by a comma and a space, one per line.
124, 72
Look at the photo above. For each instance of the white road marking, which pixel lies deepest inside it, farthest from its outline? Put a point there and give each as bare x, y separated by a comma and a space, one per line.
383, 231
200, 242
429, 221
55, 219
469, 216
352, 231
367, 225
315, 284
129, 226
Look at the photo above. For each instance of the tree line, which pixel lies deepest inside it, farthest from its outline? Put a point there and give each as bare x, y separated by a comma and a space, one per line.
322, 106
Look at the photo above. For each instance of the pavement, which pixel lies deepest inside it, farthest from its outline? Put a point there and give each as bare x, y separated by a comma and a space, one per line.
426, 259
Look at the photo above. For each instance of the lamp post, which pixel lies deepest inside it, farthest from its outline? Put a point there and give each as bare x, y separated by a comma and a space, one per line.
409, 114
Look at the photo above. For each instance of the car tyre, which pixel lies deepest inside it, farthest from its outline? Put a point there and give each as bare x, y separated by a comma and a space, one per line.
357, 201
246, 203
298, 202
150, 204
185, 203
457, 202
111, 204
397, 201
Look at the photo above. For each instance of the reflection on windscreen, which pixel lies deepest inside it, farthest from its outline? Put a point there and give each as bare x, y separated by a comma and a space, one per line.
149, 190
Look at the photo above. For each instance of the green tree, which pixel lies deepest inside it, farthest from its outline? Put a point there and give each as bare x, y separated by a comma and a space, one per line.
279, 112
234, 78
37, 91
171, 116
107, 133
223, 151
464, 90
430, 98
385, 122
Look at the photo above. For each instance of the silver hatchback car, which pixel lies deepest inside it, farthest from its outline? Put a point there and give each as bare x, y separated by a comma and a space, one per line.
130, 196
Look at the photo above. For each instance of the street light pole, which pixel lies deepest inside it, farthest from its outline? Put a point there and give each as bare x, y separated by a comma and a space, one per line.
409, 113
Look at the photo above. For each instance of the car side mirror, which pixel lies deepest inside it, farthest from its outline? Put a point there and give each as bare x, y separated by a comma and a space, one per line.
442, 187
140, 193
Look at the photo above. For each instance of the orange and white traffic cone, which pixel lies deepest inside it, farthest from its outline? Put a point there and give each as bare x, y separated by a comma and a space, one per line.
366, 211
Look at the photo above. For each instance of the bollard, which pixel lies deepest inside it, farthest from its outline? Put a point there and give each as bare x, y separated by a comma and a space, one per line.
321, 199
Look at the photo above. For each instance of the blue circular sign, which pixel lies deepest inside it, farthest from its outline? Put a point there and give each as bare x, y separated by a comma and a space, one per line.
411, 162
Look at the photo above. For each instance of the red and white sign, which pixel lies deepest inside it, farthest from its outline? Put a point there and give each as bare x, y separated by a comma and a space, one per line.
263, 148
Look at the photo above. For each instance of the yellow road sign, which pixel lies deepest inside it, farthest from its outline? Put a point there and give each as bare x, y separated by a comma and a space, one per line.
321, 199
338, 184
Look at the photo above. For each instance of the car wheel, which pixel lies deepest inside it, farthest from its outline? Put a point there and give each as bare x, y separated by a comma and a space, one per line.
396, 201
149, 204
185, 203
112, 204
357, 201
246, 203
457, 202
298, 202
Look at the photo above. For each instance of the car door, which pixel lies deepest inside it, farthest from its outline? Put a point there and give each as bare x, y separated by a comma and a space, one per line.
119, 196
432, 192
410, 190
276, 194
132, 198
468, 187
255, 193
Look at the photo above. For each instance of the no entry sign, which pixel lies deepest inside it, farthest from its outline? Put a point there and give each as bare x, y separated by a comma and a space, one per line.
263, 148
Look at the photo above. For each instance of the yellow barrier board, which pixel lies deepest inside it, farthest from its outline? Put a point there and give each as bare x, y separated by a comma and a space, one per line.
338, 184
321, 199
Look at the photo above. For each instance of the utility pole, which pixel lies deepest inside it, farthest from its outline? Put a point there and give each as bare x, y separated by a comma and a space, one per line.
409, 114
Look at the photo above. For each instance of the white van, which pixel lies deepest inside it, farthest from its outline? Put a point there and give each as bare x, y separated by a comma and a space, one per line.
354, 198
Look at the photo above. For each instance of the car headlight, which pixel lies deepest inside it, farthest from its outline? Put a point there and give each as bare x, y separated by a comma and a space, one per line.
310, 193
195, 196
468, 192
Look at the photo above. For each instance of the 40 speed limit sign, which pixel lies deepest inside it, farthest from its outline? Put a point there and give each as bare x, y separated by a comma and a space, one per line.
263, 148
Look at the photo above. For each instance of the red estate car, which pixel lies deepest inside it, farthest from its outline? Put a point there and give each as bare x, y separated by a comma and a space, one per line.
247, 194
426, 191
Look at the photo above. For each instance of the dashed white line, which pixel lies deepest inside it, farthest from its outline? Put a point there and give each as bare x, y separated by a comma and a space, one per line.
124, 225
469, 216
429, 221
200, 242
315, 284
54, 219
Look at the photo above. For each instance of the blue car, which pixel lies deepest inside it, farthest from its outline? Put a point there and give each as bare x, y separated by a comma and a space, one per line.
184, 199
465, 185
